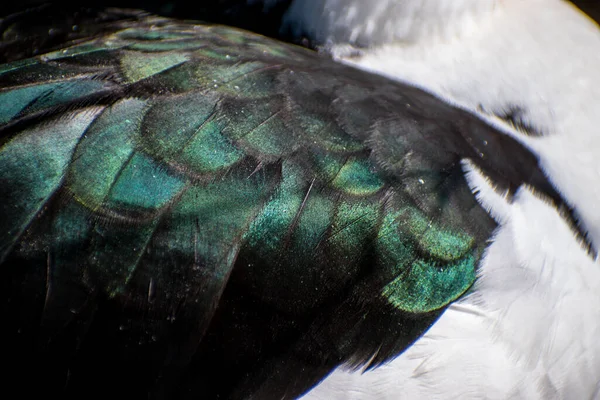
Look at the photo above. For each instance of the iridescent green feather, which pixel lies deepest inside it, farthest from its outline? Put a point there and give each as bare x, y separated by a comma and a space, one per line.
33, 167
169, 166
141, 153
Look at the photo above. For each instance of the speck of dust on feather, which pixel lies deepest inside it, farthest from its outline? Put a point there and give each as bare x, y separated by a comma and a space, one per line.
483, 67
511, 317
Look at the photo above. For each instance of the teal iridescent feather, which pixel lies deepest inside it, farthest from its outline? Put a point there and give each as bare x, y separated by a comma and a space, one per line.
209, 183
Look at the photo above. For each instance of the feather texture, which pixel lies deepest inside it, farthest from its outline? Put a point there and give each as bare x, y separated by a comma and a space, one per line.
528, 328
192, 210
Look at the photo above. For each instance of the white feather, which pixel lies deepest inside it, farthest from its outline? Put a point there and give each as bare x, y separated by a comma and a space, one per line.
529, 330
378, 22
531, 326
541, 55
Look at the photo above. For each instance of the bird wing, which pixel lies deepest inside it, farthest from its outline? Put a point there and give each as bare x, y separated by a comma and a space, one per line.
194, 209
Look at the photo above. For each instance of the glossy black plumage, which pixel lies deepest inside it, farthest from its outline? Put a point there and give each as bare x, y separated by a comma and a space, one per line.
260, 333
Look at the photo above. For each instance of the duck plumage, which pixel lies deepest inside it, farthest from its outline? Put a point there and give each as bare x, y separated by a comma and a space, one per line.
191, 210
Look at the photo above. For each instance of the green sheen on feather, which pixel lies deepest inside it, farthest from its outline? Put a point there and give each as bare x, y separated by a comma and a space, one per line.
185, 132
352, 223
247, 79
209, 151
270, 228
14, 101
438, 243
144, 185
4, 68
427, 287
103, 152
229, 73
313, 222
222, 210
396, 252
258, 127
36, 161
37, 97
270, 138
327, 134
433, 266
355, 177
207, 223
137, 66
170, 125
350, 174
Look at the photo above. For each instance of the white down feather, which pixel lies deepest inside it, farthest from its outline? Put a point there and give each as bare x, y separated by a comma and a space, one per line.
531, 327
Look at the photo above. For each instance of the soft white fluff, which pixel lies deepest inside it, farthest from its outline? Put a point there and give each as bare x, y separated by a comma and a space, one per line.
369, 23
529, 331
531, 327
541, 55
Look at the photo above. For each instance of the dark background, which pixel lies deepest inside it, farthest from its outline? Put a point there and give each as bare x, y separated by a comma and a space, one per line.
230, 12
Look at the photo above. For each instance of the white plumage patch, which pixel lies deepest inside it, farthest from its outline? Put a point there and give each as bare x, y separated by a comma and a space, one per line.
529, 329
540, 56
366, 24
531, 326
